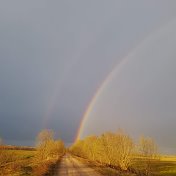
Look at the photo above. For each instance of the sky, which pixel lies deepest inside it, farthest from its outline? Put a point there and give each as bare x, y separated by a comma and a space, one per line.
56, 56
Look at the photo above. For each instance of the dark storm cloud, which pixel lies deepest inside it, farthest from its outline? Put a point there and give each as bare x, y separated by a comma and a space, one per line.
64, 49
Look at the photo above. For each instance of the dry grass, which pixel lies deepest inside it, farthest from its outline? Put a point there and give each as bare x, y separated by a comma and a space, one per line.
44, 168
104, 169
24, 162
13, 161
166, 166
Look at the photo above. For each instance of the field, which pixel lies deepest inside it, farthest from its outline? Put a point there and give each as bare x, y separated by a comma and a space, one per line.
166, 166
16, 162
23, 162
20, 162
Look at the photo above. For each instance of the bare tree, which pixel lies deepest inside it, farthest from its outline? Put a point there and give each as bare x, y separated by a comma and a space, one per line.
113, 149
47, 147
148, 147
44, 136
149, 152
125, 150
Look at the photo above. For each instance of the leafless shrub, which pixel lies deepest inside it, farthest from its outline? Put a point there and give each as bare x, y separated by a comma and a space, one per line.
47, 147
149, 152
113, 149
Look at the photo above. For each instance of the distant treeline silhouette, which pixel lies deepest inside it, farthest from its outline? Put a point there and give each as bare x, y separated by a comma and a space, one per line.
10, 147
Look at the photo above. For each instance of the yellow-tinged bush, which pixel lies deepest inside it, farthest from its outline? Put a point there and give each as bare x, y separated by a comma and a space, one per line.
47, 147
113, 149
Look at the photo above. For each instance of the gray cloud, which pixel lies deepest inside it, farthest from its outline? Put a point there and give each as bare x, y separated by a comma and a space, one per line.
54, 55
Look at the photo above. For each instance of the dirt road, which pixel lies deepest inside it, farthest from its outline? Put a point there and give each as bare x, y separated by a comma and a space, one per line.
70, 166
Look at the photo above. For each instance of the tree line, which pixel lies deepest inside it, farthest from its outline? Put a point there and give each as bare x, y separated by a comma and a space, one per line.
116, 149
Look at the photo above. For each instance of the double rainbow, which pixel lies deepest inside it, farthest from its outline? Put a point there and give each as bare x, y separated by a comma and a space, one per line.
118, 67
115, 70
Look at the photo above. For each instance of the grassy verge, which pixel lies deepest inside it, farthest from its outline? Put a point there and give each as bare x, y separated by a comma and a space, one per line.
24, 162
166, 166
105, 170
45, 168
13, 161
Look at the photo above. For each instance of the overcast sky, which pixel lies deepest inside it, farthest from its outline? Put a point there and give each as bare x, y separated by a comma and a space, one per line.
55, 54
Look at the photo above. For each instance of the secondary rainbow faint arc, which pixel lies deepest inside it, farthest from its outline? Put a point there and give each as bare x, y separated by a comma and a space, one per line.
114, 71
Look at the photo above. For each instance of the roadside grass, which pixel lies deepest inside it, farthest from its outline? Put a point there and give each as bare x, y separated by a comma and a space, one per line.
14, 161
103, 169
44, 168
165, 166
25, 163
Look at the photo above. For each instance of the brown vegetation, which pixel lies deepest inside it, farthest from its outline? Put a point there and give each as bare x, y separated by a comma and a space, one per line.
47, 147
149, 152
48, 152
37, 161
116, 150
112, 149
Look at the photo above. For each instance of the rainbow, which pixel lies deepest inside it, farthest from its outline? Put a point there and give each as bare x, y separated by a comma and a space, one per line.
57, 91
118, 67
58, 88
98, 92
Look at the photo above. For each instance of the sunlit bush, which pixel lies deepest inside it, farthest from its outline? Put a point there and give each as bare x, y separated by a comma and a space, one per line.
47, 147
113, 149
